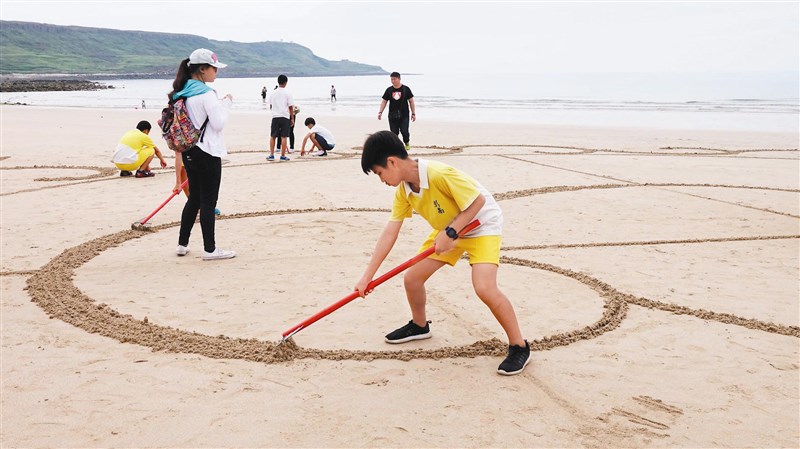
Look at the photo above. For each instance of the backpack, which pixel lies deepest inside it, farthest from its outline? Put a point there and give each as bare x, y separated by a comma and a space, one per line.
177, 128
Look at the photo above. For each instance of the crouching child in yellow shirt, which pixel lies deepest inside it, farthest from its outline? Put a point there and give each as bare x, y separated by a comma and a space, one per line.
448, 200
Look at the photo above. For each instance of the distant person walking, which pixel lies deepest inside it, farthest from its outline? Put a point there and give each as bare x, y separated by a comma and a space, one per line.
281, 103
144, 106
135, 151
203, 162
400, 98
264, 94
333, 94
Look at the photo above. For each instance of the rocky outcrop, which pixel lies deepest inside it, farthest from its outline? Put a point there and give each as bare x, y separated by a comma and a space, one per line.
50, 85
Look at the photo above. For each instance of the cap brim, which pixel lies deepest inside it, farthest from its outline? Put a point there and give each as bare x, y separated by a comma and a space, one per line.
219, 65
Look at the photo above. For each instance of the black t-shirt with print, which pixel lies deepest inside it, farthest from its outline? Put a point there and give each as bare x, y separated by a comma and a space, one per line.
398, 99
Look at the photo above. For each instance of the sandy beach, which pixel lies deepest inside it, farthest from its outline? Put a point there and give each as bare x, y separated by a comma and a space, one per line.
654, 271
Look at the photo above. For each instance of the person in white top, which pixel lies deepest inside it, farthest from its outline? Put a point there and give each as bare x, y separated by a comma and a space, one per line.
320, 137
203, 162
282, 103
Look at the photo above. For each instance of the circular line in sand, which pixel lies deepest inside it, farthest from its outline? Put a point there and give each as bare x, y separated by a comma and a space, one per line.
101, 171
53, 290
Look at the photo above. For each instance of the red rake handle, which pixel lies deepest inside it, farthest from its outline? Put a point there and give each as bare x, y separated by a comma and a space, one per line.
374, 283
145, 219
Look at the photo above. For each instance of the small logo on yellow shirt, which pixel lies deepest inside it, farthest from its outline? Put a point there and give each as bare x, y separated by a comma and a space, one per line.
438, 207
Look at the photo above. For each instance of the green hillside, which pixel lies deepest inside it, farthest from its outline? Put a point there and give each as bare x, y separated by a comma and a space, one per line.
36, 48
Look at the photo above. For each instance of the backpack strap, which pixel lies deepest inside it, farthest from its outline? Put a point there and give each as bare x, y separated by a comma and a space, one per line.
203, 129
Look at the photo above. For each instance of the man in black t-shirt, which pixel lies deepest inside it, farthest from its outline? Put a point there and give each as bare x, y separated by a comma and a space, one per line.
400, 98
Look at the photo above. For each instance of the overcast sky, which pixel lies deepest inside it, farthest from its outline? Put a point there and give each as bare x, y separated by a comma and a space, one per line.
451, 37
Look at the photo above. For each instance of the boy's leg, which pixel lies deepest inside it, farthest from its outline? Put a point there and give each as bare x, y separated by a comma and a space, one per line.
283, 148
414, 282
314, 143
484, 280
273, 133
146, 164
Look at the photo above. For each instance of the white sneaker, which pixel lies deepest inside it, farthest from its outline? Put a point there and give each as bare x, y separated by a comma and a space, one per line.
320, 153
218, 253
182, 250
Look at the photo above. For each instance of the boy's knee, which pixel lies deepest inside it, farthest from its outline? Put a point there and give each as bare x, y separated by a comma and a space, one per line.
411, 281
485, 291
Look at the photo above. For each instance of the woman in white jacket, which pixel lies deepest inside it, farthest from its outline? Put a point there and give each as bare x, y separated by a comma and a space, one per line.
203, 162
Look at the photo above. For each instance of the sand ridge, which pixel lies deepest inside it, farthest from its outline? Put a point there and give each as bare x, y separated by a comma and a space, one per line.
52, 289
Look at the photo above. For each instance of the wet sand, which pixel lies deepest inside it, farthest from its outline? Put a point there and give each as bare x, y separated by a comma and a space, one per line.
654, 272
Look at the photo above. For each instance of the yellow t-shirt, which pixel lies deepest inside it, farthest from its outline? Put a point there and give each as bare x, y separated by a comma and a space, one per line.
445, 192
134, 146
137, 140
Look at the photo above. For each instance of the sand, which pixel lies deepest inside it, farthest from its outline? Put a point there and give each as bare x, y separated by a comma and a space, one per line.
655, 273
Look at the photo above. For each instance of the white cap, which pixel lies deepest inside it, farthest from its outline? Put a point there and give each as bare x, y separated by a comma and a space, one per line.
205, 56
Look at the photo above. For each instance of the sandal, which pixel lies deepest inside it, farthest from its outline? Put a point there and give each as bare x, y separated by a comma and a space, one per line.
144, 174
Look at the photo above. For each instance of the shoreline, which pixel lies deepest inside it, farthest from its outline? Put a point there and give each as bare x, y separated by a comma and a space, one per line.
506, 127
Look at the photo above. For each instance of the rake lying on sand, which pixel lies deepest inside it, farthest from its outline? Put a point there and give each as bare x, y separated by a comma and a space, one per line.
375, 282
140, 224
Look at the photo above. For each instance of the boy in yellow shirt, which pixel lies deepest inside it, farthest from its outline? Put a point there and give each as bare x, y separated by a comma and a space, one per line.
135, 151
448, 200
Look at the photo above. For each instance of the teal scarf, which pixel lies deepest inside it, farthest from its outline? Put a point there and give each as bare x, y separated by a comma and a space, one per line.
192, 88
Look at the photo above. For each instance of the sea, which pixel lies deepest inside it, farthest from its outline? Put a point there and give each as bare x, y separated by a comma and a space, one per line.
747, 101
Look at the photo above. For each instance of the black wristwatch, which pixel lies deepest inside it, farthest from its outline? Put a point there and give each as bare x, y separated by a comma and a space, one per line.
452, 233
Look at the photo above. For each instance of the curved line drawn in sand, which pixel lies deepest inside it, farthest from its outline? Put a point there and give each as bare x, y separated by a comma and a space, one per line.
722, 150
652, 242
576, 150
102, 172
557, 189
52, 289
725, 318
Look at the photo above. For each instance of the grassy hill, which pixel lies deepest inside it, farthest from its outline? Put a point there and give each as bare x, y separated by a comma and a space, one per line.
36, 48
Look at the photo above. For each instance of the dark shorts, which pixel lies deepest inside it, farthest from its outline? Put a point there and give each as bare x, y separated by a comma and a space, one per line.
280, 127
322, 142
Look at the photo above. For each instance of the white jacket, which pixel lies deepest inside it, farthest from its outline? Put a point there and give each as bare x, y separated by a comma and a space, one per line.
209, 105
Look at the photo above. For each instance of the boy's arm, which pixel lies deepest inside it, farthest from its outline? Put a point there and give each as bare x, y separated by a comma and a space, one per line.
160, 157
413, 109
443, 243
382, 247
303, 146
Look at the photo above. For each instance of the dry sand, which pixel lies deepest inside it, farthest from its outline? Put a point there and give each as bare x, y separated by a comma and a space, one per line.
654, 271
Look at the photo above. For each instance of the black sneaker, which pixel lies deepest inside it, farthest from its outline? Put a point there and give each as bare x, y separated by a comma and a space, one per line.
124, 173
517, 359
409, 332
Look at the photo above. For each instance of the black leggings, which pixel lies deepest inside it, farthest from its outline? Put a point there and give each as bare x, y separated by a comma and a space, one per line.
205, 173
400, 126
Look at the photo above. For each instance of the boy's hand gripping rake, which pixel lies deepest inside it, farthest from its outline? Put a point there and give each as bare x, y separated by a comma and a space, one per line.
374, 283
144, 220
